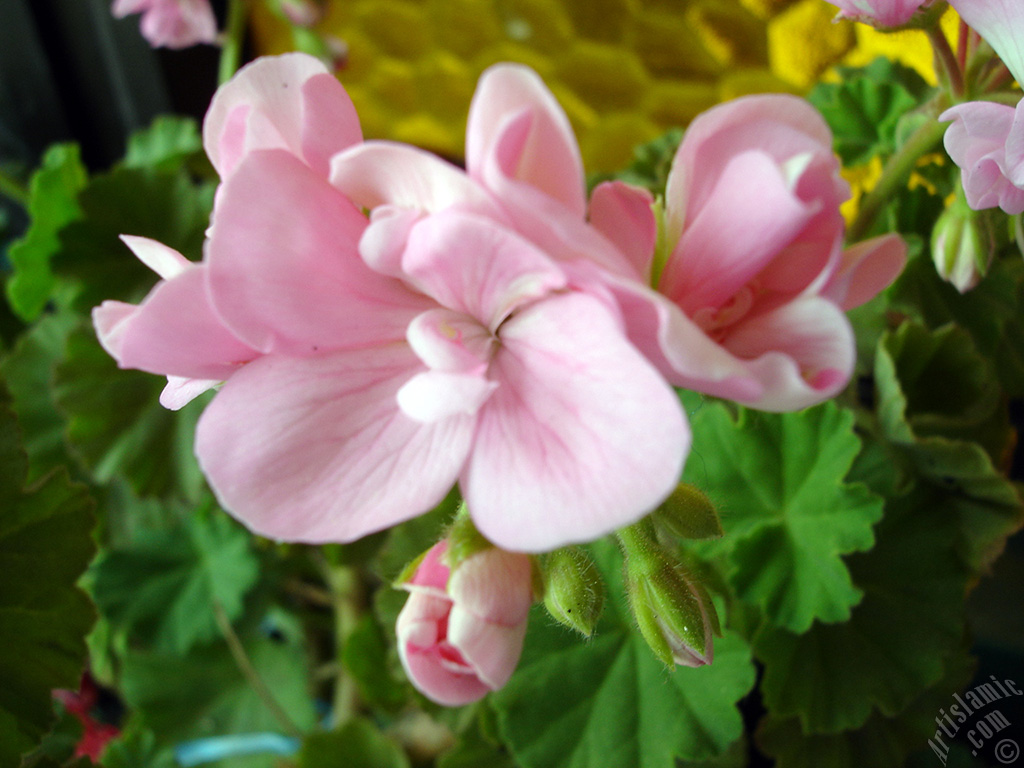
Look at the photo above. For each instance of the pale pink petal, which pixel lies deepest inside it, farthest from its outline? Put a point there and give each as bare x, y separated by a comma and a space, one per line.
109, 319
316, 449
122, 8
432, 396
1014, 159
977, 141
867, 268
383, 242
718, 253
493, 650
181, 391
886, 13
581, 437
518, 132
494, 586
178, 23
623, 214
431, 573
288, 102
378, 173
162, 259
174, 331
1001, 23
422, 658
803, 353
470, 265
285, 274
451, 341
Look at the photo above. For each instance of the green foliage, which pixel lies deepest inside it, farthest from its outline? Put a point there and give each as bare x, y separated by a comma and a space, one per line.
788, 515
366, 657
45, 545
53, 205
167, 145
865, 107
614, 704
357, 744
166, 587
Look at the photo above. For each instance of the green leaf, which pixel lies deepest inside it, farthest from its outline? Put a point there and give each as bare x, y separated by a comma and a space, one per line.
45, 545
935, 426
136, 748
609, 702
52, 205
778, 482
882, 742
165, 587
204, 694
895, 643
366, 657
357, 744
119, 428
864, 108
166, 145
168, 207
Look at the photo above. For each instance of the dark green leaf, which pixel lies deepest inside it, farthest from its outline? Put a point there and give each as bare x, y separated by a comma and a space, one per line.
53, 204
45, 545
165, 587
778, 482
166, 145
366, 657
357, 744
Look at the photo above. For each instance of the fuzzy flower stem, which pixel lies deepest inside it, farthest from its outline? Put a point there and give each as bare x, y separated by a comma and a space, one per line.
234, 35
946, 60
894, 176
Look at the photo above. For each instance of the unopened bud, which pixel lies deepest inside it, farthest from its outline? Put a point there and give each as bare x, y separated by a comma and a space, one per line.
689, 513
573, 589
673, 611
962, 245
301, 13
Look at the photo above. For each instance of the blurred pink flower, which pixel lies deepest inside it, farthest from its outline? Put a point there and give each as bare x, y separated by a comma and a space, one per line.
986, 140
371, 364
172, 23
752, 280
884, 13
460, 634
1001, 23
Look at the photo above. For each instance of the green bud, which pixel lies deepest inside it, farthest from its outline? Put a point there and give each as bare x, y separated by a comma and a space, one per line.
673, 611
464, 540
689, 513
962, 245
572, 588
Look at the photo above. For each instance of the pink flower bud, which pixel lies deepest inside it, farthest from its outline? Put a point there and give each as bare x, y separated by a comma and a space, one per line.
883, 13
460, 633
172, 23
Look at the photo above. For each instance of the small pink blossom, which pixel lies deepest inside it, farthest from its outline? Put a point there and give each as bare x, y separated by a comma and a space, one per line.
986, 141
883, 13
752, 283
460, 634
172, 23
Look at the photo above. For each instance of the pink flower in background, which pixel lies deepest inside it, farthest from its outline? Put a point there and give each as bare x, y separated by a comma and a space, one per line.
986, 140
753, 282
172, 23
885, 13
460, 634
370, 365
1001, 23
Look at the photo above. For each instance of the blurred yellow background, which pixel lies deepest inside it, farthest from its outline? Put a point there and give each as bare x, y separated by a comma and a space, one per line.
624, 70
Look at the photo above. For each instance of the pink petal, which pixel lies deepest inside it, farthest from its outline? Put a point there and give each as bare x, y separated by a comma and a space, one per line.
493, 650
288, 102
431, 573
181, 391
749, 217
160, 258
495, 586
623, 214
450, 341
518, 132
977, 142
470, 265
803, 353
316, 449
179, 23
285, 274
1001, 23
173, 332
378, 173
867, 268
581, 437
432, 396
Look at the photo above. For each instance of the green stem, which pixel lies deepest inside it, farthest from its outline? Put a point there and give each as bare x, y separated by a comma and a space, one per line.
346, 595
13, 189
234, 34
250, 672
894, 176
947, 60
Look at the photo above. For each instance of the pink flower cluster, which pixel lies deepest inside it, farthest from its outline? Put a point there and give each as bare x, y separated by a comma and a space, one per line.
381, 324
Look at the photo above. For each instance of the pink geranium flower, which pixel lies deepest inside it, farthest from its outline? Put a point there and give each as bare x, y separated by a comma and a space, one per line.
750, 287
373, 363
986, 141
172, 23
883, 13
1001, 23
460, 634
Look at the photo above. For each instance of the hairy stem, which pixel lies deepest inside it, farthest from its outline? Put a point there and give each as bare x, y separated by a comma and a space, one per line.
946, 60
